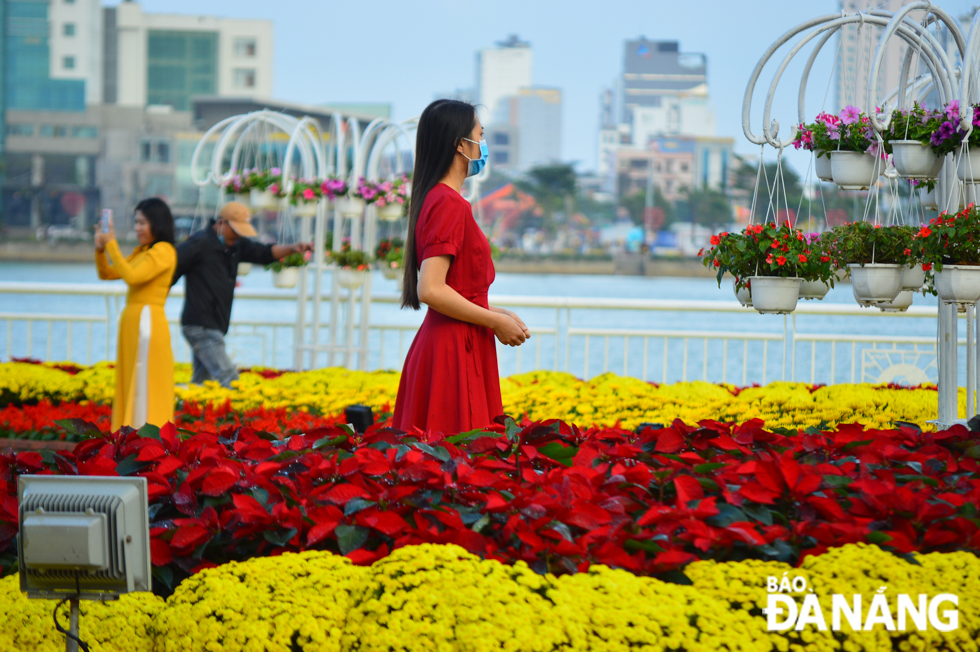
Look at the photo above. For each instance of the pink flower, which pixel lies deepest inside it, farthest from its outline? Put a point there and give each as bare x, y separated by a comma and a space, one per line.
274, 189
308, 194
850, 115
953, 110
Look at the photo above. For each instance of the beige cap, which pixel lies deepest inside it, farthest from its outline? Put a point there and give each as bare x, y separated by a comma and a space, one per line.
238, 218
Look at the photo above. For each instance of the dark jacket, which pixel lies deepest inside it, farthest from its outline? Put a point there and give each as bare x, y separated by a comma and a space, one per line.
211, 269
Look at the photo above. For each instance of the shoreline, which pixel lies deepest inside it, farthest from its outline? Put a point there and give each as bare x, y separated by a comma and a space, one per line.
620, 265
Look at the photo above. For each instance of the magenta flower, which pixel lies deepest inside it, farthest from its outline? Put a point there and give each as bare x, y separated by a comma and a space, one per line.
308, 194
833, 132
953, 110
850, 115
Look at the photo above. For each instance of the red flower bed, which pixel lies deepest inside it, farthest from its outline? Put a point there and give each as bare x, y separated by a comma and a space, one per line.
547, 493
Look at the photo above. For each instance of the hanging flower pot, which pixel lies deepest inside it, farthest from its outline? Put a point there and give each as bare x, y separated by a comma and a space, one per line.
391, 212
900, 303
350, 207
876, 282
913, 278
915, 160
968, 168
774, 295
243, 198
744, 295
929, 198
959, 284
350, 278
286, 278
821, 166
854, 170
391, 273
813, 290
305, 209
262, 199
861, 302
244, 269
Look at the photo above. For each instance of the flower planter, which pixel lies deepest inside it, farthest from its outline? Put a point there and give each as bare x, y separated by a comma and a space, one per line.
970, 195
914, 160
305, 209
244, 198
350, 207
262, 199
389, 272
772, 295
862, 302
968, 168
286, 278
876, 282
959, 284
350, 278
854, 170
913, 278
821, 166
744, 295
813, 290
244, 269
900, 303
930, 199
391, 212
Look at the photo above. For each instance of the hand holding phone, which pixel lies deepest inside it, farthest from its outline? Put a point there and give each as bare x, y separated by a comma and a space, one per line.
106, 222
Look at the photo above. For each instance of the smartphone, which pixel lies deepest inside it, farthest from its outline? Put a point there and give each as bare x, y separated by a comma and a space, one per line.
106, 222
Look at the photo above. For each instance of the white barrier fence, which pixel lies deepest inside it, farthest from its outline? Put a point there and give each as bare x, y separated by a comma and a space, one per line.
648, 339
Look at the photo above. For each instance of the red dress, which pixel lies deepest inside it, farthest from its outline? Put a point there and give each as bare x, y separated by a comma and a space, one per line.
450, 382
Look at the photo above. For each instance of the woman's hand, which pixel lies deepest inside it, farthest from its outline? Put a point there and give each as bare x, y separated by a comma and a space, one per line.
509, 331
102, 237
520, 322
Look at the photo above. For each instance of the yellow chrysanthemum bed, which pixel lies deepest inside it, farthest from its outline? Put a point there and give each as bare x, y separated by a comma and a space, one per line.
434, 597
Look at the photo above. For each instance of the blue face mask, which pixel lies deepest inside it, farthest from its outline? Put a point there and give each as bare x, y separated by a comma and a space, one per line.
477, 164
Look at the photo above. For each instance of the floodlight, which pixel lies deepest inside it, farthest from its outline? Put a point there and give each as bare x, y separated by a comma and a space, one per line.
82, 538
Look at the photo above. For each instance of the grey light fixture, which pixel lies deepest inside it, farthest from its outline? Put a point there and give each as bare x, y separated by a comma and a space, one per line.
82, 538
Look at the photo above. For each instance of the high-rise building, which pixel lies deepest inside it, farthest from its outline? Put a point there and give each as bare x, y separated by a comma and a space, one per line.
855, 55
653, 70
169, 58
500, 72
526, 129
52, 58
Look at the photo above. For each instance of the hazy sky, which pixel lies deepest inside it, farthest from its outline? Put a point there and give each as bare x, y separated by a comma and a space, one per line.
404, 53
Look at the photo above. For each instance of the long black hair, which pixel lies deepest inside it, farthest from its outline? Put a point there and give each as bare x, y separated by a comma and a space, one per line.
161, 220
442, 127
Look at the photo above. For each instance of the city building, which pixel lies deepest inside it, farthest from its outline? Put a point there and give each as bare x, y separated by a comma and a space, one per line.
501, 71
169, 58
856, 53
653, 70
525, 131
676, 164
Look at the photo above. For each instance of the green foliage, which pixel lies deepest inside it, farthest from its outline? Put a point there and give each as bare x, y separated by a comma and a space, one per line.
951, 239
292, 260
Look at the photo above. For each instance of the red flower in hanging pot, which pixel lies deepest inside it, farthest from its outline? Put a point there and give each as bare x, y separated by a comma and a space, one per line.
781, 260
769, 258
926, 266
715, 239
924, 232
802, 258
717, 263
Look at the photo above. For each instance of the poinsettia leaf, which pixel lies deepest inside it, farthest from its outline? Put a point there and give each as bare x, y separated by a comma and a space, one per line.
856, 444
758, 512
149, 431
558, 452
878, 538
709, 467
633, 545
438, 452
932, 482
279, 538
325, 441
79, 427
470, 435
727, 514
355, 505
130, 465
350, 537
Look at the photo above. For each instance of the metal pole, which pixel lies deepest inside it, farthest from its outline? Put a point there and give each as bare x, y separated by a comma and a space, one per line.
71, 644
971, 380
3, 98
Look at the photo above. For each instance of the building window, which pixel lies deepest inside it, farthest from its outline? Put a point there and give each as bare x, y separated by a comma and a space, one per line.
180, 64
68, 29
245, 47
54, 131
153, 150
684, 167
244, 78
163, 152
69, 2
84, 132
20, 130
501, 157
68, 63
146, 151
501, 139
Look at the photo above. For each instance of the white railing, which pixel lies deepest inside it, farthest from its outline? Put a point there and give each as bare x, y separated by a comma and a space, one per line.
584, 336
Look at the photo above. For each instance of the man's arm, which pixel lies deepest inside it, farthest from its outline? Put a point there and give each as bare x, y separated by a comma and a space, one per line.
186, 257
253, 252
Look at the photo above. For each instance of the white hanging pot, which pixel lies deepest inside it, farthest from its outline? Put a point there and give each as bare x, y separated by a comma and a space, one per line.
813, 290
389, 272
913, 278
968, 168
929, 199
305, 209
821, 166
970, 195
350, 207
959, 284
855, 170
391, 212
876, 282
773, 295
244, 198
744, 295
350, 278
244, 269
900, 303
915, 160
262, 199
286, 278
861, 302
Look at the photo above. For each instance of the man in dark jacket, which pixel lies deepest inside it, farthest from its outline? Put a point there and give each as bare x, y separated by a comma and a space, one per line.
209, 261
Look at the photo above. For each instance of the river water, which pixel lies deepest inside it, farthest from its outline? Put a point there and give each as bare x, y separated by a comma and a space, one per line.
721, 360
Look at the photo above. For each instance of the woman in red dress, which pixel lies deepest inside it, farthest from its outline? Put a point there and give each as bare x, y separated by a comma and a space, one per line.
450, 383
